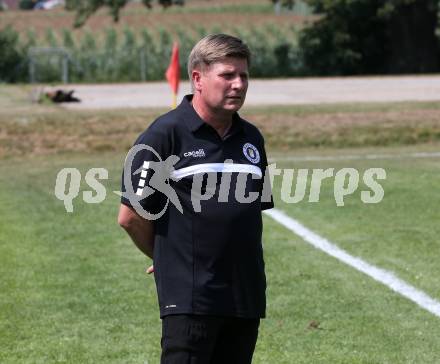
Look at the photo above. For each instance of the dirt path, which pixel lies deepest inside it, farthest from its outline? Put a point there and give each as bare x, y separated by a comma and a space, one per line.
269, 92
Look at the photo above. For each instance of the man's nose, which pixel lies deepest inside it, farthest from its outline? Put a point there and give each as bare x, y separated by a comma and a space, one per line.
239, 83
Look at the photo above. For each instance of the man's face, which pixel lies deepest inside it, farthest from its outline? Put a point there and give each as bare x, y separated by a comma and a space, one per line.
223, 85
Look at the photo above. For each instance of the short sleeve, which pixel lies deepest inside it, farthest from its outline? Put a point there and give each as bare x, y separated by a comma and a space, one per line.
142, 162
266, 192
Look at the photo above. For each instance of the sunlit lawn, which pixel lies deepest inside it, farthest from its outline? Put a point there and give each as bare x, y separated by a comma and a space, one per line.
73, 287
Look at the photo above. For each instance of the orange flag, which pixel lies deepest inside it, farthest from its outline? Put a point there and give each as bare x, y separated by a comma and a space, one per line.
173, 72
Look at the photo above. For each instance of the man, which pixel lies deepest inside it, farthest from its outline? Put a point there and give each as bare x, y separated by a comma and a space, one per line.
203, 230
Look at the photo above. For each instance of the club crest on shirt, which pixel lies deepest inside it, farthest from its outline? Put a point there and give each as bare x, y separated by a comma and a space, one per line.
251, 153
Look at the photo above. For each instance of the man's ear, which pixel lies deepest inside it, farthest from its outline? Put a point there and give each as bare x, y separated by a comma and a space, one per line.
197, 79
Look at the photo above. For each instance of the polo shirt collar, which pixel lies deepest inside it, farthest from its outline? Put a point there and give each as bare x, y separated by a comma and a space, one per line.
195, 122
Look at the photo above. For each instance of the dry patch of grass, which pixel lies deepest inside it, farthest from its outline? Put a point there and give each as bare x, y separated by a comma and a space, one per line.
65, 131
284, 131
44, 130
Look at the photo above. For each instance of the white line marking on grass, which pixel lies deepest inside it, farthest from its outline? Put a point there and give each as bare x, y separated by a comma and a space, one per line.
385, 277
358, 157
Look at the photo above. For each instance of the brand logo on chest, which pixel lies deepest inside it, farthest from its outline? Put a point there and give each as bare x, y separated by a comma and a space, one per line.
195, 153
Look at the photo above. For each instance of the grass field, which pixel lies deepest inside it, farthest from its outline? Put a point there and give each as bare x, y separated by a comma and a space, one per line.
73, 287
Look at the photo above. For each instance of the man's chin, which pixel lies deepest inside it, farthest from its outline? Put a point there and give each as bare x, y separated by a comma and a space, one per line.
233, 107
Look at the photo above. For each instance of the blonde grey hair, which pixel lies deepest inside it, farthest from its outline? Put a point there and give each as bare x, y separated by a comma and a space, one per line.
214, 48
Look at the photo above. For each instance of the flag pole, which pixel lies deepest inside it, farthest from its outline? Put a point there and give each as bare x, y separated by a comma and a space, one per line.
173, 73
174, 100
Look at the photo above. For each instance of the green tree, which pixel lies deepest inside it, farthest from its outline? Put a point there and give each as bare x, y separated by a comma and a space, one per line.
11, 55
26, 4
85, 8
51, 39
284, 3
68, 39
372, 36
411, 35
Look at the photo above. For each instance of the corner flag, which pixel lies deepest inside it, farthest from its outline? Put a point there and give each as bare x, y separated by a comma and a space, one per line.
173, 72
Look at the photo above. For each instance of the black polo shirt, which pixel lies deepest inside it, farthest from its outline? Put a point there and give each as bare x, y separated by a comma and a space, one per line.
208, 256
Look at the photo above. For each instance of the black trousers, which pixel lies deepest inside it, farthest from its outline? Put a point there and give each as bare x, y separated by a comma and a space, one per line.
199, 339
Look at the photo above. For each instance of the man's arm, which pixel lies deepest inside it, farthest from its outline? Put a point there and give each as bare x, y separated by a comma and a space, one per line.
141, 231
